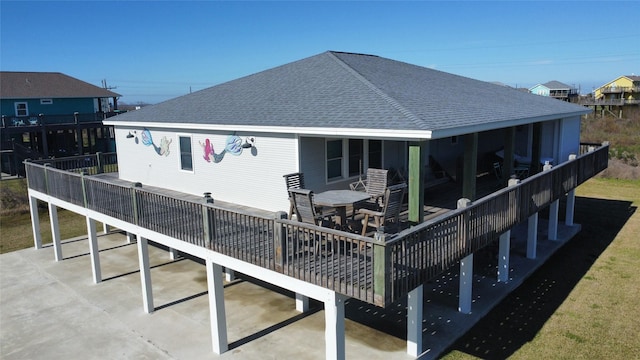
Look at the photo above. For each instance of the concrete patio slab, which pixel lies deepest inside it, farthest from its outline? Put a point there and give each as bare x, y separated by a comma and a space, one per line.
53, 310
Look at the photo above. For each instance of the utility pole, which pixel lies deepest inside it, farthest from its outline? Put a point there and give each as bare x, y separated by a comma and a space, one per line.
115, 99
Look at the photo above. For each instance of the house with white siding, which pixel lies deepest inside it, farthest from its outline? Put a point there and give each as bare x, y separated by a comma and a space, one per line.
331, 117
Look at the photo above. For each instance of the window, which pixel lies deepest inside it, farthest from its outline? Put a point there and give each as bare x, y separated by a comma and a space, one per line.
454, 140
46, 101
351, 157
186, 160
375, 154
334, 159
356, 150
22, 109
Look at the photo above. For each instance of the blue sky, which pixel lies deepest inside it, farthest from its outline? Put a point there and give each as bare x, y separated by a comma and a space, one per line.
156, 50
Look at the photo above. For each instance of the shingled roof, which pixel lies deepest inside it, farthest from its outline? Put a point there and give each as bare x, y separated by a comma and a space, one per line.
51, 85
346, 94
556, 85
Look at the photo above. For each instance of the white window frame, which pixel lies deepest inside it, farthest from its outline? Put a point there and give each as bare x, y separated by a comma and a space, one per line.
26, 108
341, 158
182, 167
46, 101
344, 168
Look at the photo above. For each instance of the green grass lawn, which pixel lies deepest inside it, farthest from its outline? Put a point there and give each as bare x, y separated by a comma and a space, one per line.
15, 222
583, 302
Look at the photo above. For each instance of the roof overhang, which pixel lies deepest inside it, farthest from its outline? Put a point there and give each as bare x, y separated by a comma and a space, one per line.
312, 131
469, 129
413, 135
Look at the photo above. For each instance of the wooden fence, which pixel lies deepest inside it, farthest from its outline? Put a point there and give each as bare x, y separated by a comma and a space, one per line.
377, 270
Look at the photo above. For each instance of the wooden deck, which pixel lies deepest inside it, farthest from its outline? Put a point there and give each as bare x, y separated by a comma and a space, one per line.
379, 270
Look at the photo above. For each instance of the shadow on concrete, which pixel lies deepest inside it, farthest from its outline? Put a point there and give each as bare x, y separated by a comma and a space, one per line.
137, 271
521, 315
176, 302
101, 250
273, 328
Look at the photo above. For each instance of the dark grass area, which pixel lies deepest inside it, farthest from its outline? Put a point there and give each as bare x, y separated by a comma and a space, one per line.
520, 316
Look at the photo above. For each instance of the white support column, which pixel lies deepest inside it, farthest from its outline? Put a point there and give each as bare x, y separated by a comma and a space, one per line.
415, 303
466, 284
130, 238
334, 327
35, 222
504, 248
553, 212
553, 220
93, 250
105, 228
532, 236
173, 254
55, 231
571, 201
217, 314
466, 266
145, 274
229, 275
302, 303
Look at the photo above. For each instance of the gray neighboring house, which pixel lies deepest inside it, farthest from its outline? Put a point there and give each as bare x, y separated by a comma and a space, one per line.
556, 90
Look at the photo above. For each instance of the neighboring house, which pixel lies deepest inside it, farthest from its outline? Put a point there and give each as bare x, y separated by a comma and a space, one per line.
332, 116
617, 97
555, 89
624, 89
52, 114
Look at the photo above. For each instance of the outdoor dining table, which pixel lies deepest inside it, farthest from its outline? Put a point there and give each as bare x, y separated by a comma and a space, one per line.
340, 199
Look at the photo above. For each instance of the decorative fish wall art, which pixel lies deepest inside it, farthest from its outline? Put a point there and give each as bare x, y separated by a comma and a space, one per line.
147, 140
234, 146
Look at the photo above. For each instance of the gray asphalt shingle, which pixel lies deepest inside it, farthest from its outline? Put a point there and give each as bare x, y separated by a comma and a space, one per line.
55, 85
337, 90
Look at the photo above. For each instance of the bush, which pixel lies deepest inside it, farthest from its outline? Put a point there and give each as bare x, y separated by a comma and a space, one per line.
624, 137
620, 169
13, 197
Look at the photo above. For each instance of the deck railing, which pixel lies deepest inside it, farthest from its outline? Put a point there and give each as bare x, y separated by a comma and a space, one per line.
92, 164
377, 270
65, 119
423, 251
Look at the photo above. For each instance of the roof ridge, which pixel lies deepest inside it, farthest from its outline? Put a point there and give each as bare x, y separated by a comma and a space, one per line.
393, 102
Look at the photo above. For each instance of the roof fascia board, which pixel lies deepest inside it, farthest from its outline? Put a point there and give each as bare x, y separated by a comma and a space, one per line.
444, 133
318, 131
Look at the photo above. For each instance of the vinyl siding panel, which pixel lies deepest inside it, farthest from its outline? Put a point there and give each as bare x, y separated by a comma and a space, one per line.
250, 176
570, 135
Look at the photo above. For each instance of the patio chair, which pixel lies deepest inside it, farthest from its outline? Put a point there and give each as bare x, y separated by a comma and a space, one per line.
497, 170
375, 185
296, 181
293, 181
390, 213
305, 210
